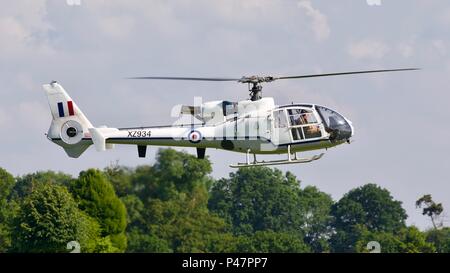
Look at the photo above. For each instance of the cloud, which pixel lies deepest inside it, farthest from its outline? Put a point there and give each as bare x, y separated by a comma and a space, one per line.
319, 20
33, 115
3, 117
12, 34
439, 46
23, 29
368, 49
406, 50
117, 27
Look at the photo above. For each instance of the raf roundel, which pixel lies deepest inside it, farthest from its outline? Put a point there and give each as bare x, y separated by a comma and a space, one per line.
194, 136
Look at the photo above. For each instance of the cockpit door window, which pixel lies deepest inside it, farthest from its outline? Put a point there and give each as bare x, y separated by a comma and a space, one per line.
303, 124
301, 117
280, 120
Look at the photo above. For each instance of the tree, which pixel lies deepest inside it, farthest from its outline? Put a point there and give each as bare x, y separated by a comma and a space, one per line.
138, 236
269, 241
96, 197
181, 171
173, 172
174, 193
120, 178
406, 240
48, 219
184, 222
262, 199
140, 242
258, 198
369, 206
25, 184
440, 238
135, 211
8, 209
317, 226
431, 209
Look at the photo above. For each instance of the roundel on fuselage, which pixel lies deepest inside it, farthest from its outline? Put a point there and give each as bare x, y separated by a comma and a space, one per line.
194, 136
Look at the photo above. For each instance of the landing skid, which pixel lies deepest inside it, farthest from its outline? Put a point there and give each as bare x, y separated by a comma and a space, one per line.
290, 160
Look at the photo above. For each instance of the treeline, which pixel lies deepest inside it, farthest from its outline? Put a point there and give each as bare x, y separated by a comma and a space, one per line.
175, 206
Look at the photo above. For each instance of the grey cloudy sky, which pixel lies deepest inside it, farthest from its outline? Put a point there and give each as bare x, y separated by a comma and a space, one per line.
401, 119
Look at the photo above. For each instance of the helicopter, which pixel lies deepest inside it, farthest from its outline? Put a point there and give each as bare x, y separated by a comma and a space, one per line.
254, 126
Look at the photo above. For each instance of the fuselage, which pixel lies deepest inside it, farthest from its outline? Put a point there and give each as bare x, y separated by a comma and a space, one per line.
258, 127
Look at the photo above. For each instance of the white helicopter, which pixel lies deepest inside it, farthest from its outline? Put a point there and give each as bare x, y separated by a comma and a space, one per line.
253, 126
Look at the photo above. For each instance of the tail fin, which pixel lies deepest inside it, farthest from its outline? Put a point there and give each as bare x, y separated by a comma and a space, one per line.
69, 127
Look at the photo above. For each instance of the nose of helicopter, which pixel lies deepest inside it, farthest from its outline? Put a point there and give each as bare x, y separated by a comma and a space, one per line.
339, 127
342, 129
346, 131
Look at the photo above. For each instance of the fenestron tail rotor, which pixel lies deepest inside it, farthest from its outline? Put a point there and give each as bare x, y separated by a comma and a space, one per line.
254, 82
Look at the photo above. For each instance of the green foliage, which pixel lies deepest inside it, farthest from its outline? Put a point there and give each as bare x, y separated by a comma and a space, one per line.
184, 222
6, 184
88, 233
175, 206
174, 194
141, 242
414, 241
96, 197
135, 210
181, 171
173, 172
430, 208
406, 240
365, 206
317, 227
269, 241
24, 184
120, 178
144, 183
104, 245
48, 219
262, 199
8, 209
440, 238
224, 242
259, 198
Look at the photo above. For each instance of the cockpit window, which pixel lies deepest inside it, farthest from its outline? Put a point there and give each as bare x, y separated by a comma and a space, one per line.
301, 117
229, 108
303, 123
335, 124
331, 119
279, 119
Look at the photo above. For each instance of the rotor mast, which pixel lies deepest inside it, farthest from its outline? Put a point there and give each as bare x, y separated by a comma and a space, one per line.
255, 86
255, 91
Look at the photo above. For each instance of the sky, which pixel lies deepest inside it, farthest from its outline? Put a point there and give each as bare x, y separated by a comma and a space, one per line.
89, 46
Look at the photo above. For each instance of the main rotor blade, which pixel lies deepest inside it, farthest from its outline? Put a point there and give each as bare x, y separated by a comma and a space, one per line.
185, 79
258, 79
344, 73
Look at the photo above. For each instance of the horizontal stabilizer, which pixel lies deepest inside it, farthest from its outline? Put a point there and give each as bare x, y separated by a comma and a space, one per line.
99, 136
